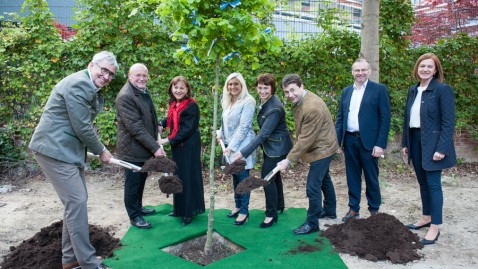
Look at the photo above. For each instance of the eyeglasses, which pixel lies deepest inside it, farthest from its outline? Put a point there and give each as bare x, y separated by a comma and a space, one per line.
105, 71
360, 70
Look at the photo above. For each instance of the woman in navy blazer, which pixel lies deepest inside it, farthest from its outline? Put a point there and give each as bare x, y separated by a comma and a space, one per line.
428, 128
274, 138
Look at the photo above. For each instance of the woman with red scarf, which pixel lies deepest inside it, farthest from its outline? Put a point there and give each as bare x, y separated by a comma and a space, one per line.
183, 124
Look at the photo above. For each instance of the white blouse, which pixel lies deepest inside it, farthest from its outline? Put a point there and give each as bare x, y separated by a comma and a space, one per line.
415, 110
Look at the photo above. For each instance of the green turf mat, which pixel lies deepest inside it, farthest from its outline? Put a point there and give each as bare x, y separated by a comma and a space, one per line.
264, 248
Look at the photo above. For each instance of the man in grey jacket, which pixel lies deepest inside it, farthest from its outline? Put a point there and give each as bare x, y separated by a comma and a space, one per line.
59, 144
136, 141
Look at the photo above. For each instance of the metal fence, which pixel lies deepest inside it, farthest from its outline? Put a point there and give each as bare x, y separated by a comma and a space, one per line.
299, 18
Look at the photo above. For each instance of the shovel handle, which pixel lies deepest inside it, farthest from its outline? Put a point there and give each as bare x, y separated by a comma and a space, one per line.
272, 173
223, 147
118, 162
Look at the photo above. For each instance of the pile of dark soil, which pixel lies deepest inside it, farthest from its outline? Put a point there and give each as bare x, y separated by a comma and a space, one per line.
170, 184
379, 237
159, 164
43, 250
249, 184
235, 167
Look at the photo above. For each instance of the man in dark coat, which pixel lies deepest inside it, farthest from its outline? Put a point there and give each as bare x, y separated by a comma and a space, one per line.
363, 123
136, 142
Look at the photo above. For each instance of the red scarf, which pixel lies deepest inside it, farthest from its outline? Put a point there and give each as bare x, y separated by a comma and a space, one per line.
174, 115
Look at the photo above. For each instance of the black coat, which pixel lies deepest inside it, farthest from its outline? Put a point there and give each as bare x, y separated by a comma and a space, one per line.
186, 152
437, 124
137, 126
273, 135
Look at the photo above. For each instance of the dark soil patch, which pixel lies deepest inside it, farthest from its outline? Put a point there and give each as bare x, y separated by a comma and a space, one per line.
305, 247
249, 184
43, 250
235, 167
159, 164
170, 184
193, 250
379, 237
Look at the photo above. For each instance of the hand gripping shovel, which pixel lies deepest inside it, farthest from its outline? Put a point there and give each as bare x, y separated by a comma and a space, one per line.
119, 162
234, 167
253, 182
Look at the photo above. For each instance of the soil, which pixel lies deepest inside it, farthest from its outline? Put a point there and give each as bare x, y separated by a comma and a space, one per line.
159, 164
249, 184
43, 250
305, 247
193, 250
33, 204
378, 237
235, 167
170, 185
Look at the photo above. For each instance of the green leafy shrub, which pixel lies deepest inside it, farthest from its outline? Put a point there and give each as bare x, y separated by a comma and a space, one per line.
34, 58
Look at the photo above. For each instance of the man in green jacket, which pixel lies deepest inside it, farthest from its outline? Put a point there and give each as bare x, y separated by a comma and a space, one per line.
315, 143
59, 144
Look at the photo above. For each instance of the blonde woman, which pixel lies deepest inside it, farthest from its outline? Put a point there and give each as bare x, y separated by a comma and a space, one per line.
238, 109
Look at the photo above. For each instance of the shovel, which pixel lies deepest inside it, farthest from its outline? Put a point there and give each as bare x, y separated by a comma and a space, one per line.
234, 167
223, 147
253, 182
118, 162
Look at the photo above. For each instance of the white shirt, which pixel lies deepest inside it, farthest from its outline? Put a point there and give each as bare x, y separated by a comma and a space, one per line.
415, 110
355, 101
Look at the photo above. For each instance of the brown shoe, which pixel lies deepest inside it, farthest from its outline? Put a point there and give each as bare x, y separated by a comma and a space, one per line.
76, 265
71, 265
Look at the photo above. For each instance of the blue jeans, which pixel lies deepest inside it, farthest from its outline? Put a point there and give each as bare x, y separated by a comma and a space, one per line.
318, 181
430, 181
241, 200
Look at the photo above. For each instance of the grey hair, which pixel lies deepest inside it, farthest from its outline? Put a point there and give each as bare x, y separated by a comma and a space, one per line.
107, 56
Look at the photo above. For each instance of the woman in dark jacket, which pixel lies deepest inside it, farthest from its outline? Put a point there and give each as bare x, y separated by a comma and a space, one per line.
183, 124
428, 128
274, 138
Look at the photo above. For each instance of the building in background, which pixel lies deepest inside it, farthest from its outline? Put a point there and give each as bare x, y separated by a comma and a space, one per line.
299, 18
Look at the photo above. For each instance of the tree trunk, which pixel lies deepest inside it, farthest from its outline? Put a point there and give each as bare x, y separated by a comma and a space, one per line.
210, 223
369, 46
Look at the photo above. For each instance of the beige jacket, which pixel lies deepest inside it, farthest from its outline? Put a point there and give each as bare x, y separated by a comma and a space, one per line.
315, 131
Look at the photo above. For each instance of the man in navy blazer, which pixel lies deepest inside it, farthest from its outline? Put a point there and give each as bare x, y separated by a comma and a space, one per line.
363, 123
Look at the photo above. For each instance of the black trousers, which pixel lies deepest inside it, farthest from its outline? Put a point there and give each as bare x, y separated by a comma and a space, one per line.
133, 190
274, 190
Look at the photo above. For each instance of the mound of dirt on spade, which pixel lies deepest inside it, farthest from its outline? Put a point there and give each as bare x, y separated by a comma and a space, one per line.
249, 184
235, 167
159, 164
43, 250
379, 237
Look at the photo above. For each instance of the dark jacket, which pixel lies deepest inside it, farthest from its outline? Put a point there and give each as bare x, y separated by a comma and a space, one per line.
188, 133
437, 124
137, 126
374, 115
273, 134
